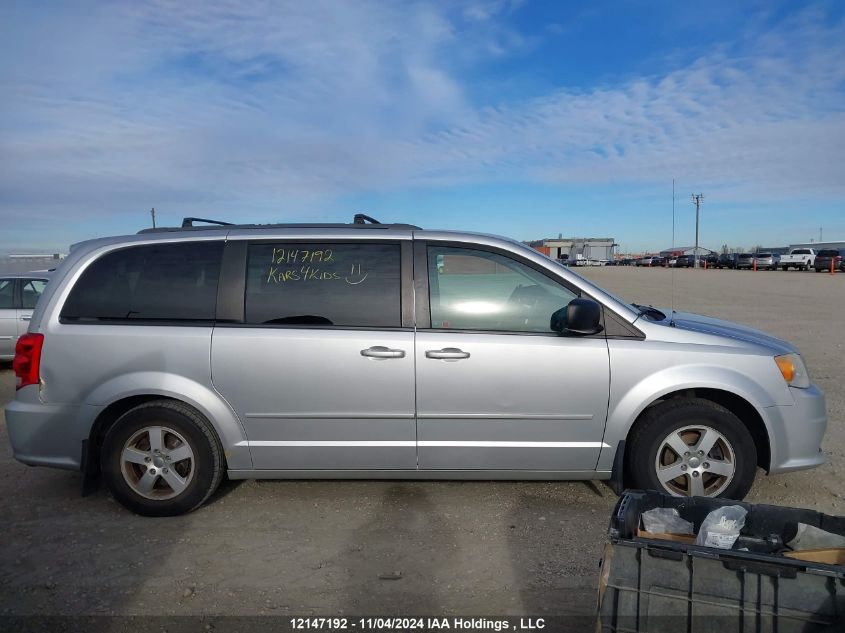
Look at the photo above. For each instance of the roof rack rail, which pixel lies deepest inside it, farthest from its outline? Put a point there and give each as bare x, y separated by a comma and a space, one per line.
361, 218
359, 221
189, 222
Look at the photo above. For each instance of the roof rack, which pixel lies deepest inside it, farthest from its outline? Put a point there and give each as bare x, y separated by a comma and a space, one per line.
189, 222
359, 221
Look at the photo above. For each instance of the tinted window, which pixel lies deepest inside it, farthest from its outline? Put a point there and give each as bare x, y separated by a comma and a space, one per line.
157, 282
801, 251
324, 284
479, 290
31, 290
828, 252
7, 293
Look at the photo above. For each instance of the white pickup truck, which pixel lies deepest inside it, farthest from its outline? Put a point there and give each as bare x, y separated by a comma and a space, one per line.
800, 258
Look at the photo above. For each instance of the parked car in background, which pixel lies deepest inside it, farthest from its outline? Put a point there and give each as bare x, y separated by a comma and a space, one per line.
711, 260
744, 260
405, 341
800, 258
646, 261
684, 261
727, 260
660, 261
826, 255
767, 261
18, 295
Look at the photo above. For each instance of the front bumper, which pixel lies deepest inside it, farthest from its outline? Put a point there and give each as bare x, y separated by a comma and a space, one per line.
46, 434
796, 432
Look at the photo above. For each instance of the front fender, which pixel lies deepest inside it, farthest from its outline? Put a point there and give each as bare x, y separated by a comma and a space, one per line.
203, 398
628, 401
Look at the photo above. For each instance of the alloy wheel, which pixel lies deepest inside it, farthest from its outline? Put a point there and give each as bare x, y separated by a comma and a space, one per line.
695, 460
157, 463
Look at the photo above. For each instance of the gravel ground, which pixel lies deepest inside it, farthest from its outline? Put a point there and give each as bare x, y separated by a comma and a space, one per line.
392, 548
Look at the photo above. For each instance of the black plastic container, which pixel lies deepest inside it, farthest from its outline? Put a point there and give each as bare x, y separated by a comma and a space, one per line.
651, 585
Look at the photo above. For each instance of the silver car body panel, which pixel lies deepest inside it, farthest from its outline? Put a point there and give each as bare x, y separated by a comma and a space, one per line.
302, 402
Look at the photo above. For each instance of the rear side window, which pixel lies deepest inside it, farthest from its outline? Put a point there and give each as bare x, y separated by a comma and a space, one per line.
353, 285
7, 293
158, 282
829, 252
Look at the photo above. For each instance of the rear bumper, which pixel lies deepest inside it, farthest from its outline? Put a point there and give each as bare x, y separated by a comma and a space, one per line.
45, 434
797, 431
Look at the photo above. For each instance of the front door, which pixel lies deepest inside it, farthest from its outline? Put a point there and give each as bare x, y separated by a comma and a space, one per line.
496, 388
320, 367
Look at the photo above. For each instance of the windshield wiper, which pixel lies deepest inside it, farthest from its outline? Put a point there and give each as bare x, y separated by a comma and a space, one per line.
650, 311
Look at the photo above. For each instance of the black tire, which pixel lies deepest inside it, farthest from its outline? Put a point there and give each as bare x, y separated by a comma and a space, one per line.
207, 463
658, 422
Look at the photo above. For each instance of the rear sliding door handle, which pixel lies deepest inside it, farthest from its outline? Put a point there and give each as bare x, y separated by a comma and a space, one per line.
29, 318
382, 353
447, 353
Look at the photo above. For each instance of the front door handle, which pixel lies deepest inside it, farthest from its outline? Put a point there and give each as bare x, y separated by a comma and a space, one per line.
380, 352
447, 353
26, 318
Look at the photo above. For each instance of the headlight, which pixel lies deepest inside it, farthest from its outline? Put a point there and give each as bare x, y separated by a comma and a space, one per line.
793, 370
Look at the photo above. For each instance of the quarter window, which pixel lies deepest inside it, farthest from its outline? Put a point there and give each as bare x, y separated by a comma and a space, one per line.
323, 284
479, 290
30, 291
157, 282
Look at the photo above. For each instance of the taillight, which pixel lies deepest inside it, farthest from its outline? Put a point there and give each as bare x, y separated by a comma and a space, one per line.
27, 363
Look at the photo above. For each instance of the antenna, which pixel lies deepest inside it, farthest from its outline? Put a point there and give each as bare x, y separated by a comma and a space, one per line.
672, 272
153, 214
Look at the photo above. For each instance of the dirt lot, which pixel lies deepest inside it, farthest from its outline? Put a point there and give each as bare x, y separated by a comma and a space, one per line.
391, 548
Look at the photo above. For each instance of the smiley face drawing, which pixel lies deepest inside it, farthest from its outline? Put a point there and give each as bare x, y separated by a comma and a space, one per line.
355, 276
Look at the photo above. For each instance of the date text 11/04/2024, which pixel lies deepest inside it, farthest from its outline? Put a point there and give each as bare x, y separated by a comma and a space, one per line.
418, 623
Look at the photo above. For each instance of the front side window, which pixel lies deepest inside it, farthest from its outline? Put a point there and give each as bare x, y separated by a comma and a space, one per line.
7, 293
156, 282
30, 291
305, 283
479, 290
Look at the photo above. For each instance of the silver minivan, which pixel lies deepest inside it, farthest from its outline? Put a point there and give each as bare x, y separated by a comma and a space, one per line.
165, 360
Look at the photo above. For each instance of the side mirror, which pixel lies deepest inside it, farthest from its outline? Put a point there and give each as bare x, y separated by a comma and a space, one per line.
580, 316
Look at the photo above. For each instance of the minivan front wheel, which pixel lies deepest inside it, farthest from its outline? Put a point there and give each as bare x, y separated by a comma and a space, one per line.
161, 458
692, 447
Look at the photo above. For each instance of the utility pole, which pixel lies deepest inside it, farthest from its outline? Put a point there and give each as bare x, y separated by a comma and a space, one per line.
153, 213
697, 199
820, 235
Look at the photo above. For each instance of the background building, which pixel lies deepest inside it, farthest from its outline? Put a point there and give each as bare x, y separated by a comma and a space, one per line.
819, 245
27, 263
596, 248
685, 250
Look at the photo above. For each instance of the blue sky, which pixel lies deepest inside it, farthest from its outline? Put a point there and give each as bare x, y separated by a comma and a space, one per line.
522, 118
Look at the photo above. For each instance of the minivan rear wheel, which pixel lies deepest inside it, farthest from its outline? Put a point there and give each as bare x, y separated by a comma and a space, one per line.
692, 447
161, 458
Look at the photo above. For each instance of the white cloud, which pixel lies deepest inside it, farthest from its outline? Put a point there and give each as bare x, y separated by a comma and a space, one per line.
198, 105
